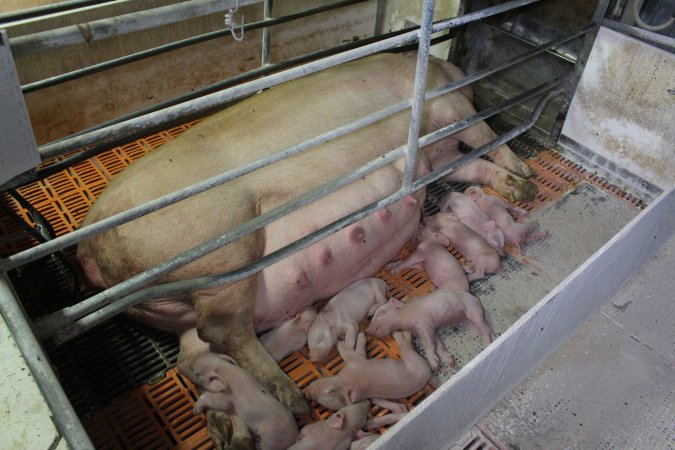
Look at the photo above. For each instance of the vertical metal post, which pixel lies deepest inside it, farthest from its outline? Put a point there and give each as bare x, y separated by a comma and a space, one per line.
418, 93
63, 413
379, 17
584, 53
267, 13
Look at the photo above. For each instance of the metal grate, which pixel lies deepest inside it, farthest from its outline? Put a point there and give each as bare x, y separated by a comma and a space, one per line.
120, 375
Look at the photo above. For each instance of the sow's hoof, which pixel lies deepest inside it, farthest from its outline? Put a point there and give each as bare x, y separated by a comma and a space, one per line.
290, 396
228, 432
521, 169
515, 188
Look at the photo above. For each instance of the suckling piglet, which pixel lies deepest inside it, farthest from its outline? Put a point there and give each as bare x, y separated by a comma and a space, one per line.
342, 314
290, 336
498, 210
231, 389
472, 216
335, 433
424, 315
443, 269
481, 257
371, 378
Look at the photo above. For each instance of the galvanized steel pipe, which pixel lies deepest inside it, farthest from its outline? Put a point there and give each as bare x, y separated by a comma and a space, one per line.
116, 26
169, 199
55, 322
71, 330
218, 98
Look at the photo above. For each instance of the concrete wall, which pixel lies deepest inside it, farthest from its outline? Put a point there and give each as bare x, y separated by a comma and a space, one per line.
60, 110
397, 12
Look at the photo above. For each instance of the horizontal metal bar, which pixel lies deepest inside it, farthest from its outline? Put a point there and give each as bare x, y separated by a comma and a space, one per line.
553, 51
501, 140
31, 15
640, 33
49, 324
169, 199
100, 67
116, 26
220, 85
52, 323
218, 98
182, 287
63, 413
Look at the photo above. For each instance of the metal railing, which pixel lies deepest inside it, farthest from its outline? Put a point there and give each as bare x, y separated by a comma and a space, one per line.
71, 321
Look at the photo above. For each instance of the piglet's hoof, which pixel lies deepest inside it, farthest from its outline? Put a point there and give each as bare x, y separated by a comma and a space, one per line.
228, 432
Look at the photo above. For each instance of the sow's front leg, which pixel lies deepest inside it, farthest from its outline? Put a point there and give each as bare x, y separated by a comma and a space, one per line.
508, 172
225, 320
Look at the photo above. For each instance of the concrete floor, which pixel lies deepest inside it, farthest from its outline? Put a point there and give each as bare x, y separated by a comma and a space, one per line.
611, 386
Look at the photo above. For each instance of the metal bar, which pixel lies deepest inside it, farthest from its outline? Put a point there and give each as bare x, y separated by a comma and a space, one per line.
9, 19
52, 323
68, 331
96, 68
584, 52
379, 17
116, 26
267, 14
418, 93
62, 164
169, 199
640, 33
252, 74
560, 54
63, 413
218, 98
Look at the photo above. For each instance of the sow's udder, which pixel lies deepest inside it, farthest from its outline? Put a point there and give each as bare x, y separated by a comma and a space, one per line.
323, 269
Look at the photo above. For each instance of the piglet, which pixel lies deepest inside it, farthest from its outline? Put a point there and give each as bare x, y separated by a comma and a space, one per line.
472, 216
371, 378
443, 269
424, 315
336, 432
231, 389
342, 314
481, 257
498, 210
290, 335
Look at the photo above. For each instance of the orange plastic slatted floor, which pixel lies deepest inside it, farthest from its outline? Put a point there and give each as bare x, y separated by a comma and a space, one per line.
160, 415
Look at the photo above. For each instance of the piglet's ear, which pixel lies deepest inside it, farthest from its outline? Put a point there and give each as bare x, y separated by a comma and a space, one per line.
351, 396
489, 225
227, 359
474, 192
398, 304
216, 382
441, 238
337, 420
